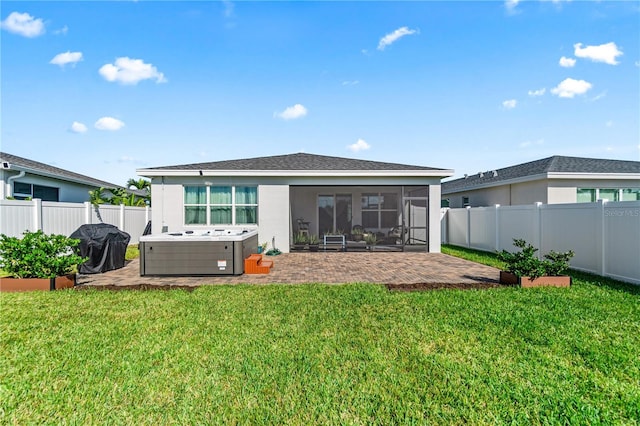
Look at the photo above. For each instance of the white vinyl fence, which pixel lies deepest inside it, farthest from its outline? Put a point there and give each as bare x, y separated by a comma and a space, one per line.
64, 218
605, 236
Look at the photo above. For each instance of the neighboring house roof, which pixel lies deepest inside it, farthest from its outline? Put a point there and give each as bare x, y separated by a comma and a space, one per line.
300, 162
556, 166
13, 162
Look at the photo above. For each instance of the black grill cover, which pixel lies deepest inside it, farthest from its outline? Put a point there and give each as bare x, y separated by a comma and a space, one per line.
105, 246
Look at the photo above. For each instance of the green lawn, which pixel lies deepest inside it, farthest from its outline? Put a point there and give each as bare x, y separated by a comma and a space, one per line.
322, 354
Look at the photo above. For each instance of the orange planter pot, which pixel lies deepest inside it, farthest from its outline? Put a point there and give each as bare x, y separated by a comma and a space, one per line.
528, 282
35, 284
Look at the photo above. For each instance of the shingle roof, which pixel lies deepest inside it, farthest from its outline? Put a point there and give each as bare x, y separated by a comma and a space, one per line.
555, 164
299, 161
35, 167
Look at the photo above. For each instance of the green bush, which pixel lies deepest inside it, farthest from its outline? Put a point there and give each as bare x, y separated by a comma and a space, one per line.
37, 255
525, 263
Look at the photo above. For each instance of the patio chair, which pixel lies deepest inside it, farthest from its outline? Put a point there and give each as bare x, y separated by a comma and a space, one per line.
303, 227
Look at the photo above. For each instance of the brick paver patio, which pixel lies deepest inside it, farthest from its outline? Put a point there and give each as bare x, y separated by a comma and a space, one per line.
327, 267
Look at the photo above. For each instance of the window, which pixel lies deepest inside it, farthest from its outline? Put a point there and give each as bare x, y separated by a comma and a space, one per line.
246, 205
465, 201
611, 194
220, 205
379, 210
22, 191
631, 194
195, 205
586, 195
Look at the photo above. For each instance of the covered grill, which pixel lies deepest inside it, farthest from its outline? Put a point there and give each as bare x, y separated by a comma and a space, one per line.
105, 246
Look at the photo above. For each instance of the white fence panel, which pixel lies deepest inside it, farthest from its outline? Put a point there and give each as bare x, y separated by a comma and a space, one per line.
62, 218
573, 227
457, 223
16, 217
482, 226
109, 214
622, 239
516, 222
135, 220
605, 236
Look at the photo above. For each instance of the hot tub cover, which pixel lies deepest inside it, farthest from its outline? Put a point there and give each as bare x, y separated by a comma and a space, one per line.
105, 246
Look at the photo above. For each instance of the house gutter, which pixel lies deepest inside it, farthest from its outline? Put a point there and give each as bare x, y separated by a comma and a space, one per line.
9, 190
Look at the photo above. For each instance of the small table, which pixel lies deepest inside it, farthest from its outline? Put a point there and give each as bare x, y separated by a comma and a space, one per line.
334, 240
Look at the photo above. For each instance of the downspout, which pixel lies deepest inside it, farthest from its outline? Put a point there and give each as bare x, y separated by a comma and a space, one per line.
9, 191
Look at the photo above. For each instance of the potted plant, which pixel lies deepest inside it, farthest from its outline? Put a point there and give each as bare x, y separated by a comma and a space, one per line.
371, 239
357, 233
525, 269
38, 261
262, 248
300, 240
314, 242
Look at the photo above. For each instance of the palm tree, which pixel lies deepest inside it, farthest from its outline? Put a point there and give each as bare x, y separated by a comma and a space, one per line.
97, 197
143, 185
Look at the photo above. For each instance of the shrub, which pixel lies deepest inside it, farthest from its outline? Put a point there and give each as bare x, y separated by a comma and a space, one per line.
37, 255
525, 263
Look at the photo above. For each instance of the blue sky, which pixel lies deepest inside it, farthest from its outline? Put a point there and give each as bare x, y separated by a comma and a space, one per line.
104, 88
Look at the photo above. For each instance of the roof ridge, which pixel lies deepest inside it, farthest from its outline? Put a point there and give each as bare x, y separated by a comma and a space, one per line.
49, 169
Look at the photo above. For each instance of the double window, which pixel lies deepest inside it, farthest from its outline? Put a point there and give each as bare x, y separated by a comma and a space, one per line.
23, 191
220, 205
379, 210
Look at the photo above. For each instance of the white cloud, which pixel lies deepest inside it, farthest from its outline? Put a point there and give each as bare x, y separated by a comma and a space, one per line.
292, 112
637, 64
23, 24
599, 96
511, 5
394, 36
350, 82
539, 92
567, 62
360, 145
126, 159
527, 144
569, 87
64, 30
66, 58
606, 53
77, 127
109, 123
130, 71
509, 104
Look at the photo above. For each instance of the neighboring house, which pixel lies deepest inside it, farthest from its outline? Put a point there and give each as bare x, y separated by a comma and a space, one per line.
275, 194
552, 180
21, 179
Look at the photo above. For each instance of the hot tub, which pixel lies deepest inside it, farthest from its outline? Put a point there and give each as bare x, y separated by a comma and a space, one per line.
208, 252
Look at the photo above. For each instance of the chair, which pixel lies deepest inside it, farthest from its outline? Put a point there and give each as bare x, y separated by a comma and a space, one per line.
303, 227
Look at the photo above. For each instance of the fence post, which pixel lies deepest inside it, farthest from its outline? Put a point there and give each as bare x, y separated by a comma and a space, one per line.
37, 214
601, 238
468, 236
497, 215
146, 215
537, 229
87, 213
122, 217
